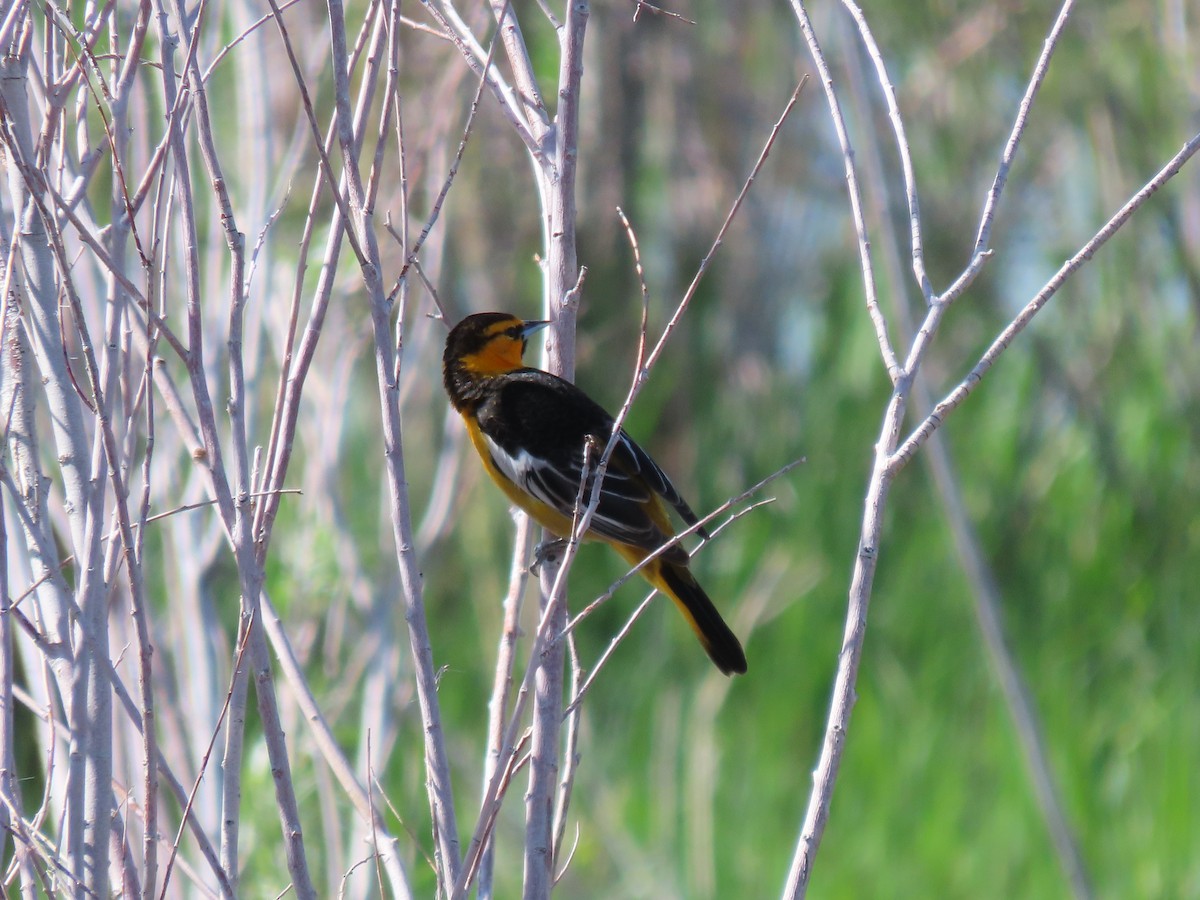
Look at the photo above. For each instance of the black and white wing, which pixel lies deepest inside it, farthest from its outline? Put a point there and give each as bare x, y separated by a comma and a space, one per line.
538, 429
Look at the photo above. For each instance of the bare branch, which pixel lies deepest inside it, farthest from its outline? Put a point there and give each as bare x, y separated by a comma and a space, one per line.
910, 181
447, 17
557, 189
952, 400
983, 237
436, 209
387, 364
688, 294
874, 310
533, 108
498, 706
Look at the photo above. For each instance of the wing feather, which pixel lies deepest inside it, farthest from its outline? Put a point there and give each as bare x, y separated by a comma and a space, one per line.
543, 452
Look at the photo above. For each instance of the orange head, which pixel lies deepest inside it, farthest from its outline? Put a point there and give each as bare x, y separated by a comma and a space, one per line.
480, 347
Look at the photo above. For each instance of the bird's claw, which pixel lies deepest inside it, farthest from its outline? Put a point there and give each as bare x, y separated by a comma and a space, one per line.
544, 552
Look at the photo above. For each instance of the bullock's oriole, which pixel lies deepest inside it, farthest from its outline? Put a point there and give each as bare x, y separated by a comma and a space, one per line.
531, 429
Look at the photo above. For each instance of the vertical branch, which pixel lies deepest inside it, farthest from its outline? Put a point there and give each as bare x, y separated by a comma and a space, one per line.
889, 460
187, 219
31, 269
865, 560
297, 365
562, 272
114, 355
50, 589
386, 366
89, 795
544, 753
571, 757
250, 569
502, 684
234, 516
10, 792
985, 591
230, 515
51, 595
856, 202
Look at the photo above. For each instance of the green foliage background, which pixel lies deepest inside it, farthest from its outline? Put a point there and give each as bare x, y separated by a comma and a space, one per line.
1077, 456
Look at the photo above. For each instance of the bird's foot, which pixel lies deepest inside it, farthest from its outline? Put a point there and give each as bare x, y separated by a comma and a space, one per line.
546, 551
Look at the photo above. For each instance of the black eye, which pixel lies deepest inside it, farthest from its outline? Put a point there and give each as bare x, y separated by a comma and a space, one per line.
515, 333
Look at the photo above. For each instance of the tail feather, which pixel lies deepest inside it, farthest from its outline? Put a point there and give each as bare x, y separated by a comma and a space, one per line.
715, 636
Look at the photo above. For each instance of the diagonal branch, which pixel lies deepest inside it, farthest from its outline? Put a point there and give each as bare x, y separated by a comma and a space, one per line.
477, 59
952, 400
874, 310
533, 107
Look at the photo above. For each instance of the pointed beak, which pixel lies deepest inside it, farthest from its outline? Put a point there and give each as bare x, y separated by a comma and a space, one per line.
532, 328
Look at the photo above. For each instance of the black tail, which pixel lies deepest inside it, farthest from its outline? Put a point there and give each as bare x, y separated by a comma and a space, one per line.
719, 642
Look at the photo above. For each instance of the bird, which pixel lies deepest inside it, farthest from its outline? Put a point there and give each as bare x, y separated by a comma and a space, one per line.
532, 429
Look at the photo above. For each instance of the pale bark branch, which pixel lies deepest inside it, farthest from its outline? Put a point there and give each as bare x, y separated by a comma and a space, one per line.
874, 310
952, 400
891, 454
386, 365
562, 281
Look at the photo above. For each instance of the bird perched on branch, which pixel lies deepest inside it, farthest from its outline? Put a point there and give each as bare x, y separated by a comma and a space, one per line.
532, 430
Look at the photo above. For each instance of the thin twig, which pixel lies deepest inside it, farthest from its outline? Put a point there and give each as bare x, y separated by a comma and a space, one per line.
686, 532
701, 269
435, 211
571, 758
640, 5
1041, 67
318, 144
329, 748
951, 401
874, 310
479, 62
204, 760
985, 593
387, 363
906, 166
498, 706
